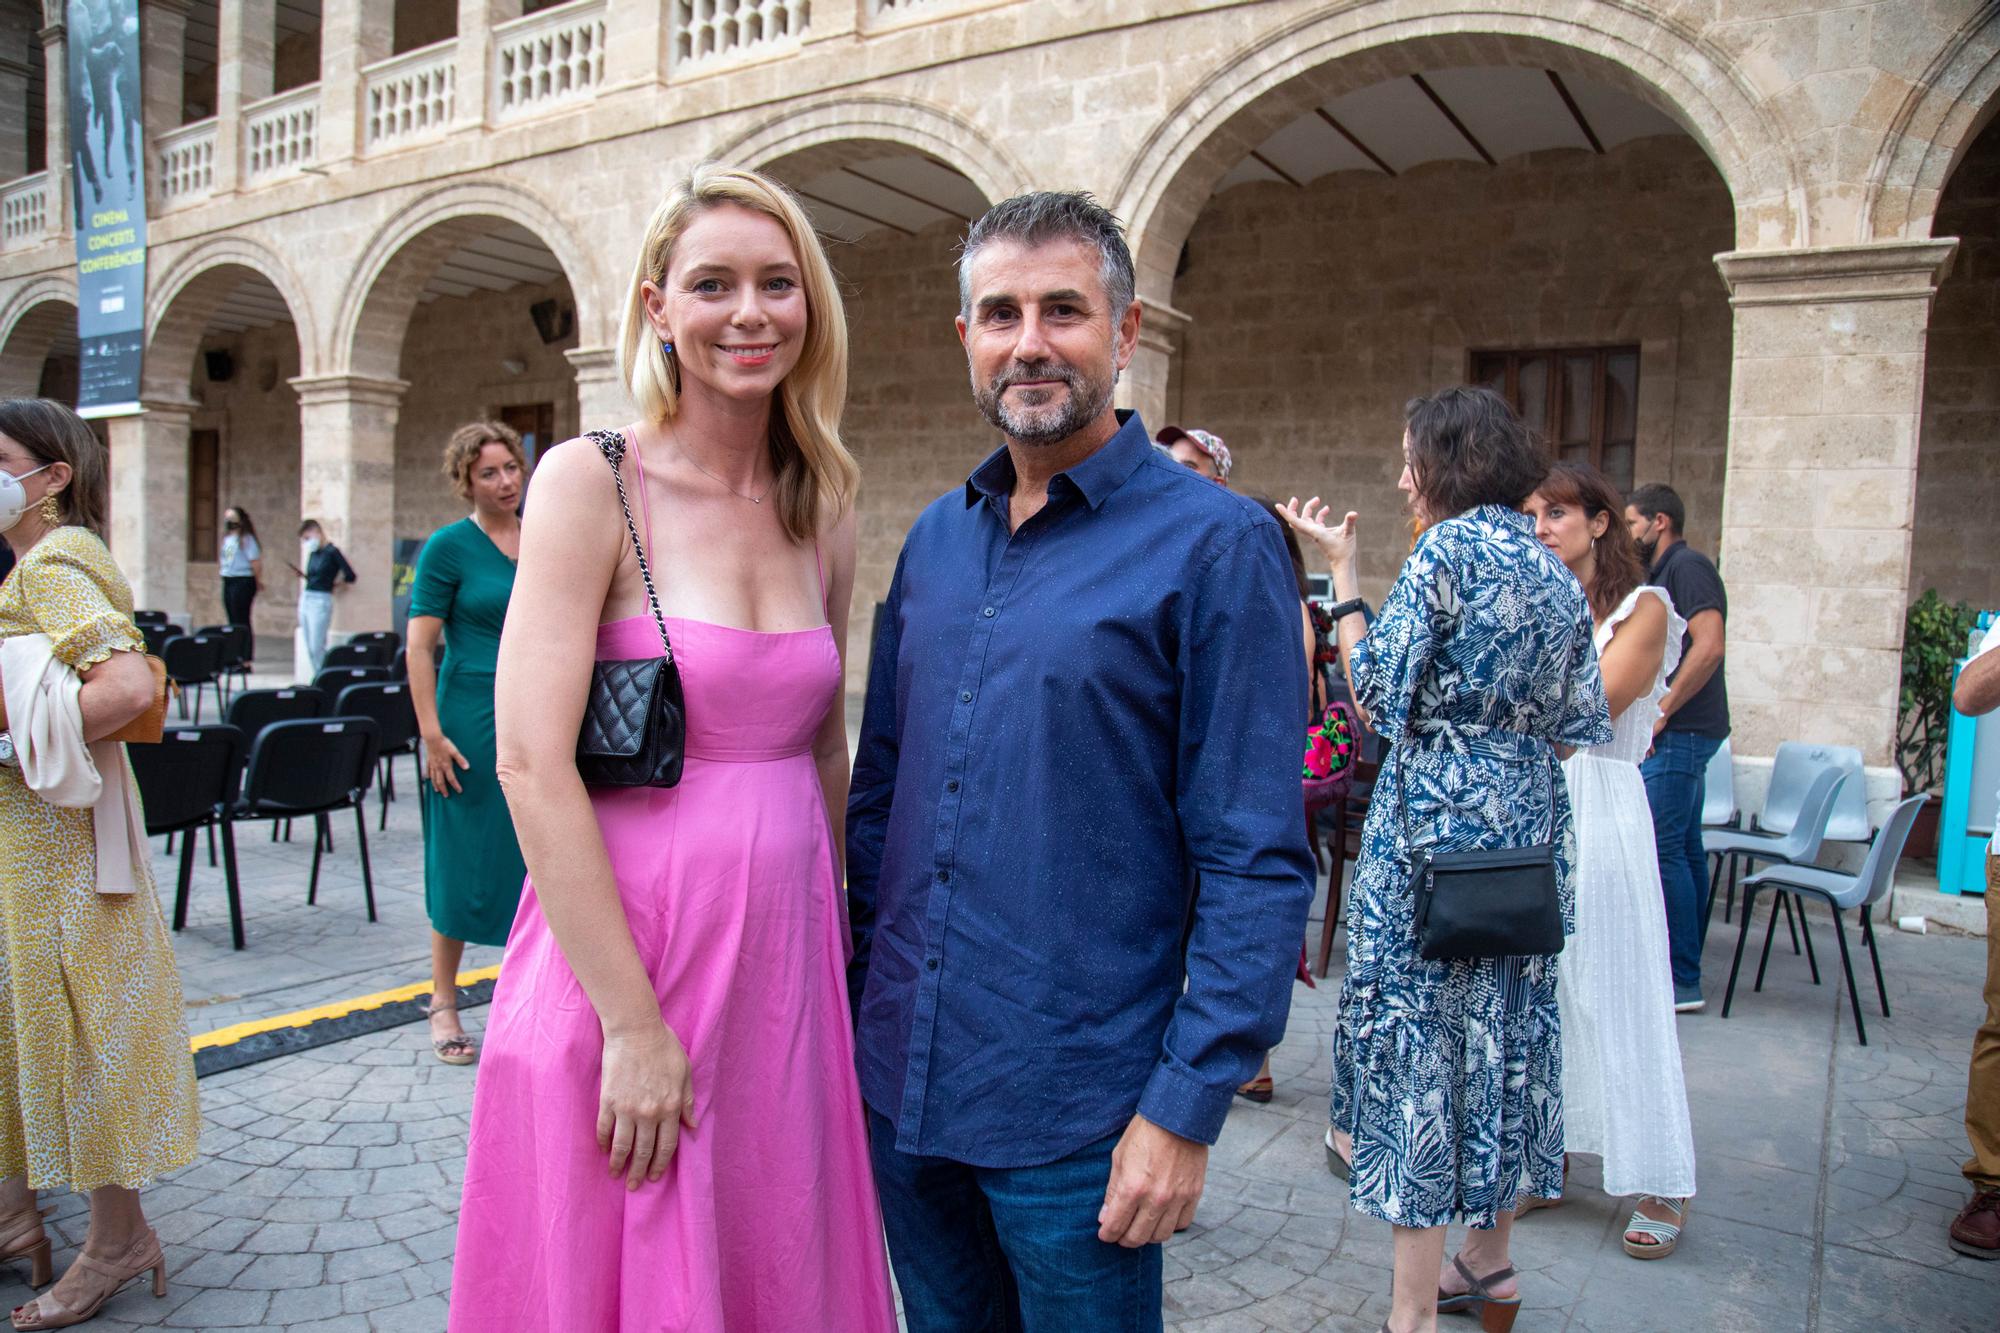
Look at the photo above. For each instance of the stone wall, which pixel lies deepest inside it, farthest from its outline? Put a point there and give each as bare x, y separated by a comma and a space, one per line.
452, 358
1958, 455
910, 419
1317, 312
257, 415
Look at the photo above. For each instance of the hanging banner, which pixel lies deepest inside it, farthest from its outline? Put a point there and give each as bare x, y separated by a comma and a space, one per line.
107, 156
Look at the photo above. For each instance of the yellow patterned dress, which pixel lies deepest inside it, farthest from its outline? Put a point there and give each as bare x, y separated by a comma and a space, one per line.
96, 1084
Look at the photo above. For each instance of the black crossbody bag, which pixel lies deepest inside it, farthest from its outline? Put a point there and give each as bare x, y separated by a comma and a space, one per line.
634, 730
1504, 902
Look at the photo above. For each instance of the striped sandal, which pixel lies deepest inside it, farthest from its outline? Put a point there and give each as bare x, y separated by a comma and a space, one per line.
1665, 1235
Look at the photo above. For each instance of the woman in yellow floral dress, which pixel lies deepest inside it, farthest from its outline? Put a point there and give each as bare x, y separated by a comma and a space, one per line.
97, 1087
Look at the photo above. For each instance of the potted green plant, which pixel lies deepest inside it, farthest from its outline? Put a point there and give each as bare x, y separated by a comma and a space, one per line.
1934, 638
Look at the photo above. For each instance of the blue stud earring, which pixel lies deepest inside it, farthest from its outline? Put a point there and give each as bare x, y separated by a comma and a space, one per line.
667, 346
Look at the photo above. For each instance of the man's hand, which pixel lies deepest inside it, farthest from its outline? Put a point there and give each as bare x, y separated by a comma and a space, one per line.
1156, 1181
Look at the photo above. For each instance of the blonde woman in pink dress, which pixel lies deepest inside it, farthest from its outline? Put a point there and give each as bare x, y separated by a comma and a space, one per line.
667, 1133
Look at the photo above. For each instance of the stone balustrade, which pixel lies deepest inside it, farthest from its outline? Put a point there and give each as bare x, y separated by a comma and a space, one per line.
545, 60
718, 31
186, 159
281, 135
24, 211
409, 98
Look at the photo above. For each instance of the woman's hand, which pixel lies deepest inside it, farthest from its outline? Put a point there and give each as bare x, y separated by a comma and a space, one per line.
644, 1096
1335, 541
439, 757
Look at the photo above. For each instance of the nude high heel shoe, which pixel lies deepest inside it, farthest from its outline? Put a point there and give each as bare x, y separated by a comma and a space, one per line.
27, 1240
45, 1311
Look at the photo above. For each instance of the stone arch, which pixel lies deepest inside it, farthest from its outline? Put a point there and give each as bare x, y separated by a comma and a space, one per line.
29, 323
374, 313
1284, 72
882, 117
1957, 96
192, 286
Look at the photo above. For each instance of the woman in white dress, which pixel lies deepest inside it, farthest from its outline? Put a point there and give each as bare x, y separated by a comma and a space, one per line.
1623, 1095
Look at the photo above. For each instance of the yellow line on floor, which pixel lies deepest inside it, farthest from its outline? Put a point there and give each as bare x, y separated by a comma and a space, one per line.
229, 1036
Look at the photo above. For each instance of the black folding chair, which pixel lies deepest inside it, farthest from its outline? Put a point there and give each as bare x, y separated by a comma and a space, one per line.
387, 704
189, 781
383, 638
332, 680
236, 646
400, 668
358, 655
312, 767
254, 710
156, 633
194, 660
149, 617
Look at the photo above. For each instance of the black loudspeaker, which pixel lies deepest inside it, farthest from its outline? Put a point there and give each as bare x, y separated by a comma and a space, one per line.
220, 365
553, 320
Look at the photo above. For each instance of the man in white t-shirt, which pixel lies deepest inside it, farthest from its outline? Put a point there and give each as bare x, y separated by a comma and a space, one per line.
1976, 1232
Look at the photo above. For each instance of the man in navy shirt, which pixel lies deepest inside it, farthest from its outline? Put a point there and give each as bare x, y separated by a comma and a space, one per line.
1077, 864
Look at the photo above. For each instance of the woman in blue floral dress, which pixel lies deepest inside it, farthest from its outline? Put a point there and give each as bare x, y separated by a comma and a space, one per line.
1447, 1075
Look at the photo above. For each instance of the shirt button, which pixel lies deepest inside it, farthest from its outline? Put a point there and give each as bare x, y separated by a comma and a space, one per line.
952, 785
931, 964
944, 877
988, 613
965, 697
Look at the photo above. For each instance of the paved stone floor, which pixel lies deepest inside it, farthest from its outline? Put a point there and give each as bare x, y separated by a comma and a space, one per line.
327, 1188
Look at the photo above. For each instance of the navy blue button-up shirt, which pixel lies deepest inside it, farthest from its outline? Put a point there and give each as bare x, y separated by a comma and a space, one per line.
1077, 862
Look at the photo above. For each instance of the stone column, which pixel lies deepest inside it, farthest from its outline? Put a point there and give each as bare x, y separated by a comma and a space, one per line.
347, 480
602, 400
638, 42
353, 34
1826, 395
162, 57
245, 53
475, 60
1145, 384
55, 117
149, 507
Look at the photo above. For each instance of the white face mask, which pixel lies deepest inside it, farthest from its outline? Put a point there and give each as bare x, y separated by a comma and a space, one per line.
14, 496
309, 545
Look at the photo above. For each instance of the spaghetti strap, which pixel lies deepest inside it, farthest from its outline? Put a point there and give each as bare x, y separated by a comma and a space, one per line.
819, 565
645, 492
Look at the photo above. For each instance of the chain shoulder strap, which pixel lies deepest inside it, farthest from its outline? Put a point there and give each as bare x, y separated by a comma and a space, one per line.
612, 444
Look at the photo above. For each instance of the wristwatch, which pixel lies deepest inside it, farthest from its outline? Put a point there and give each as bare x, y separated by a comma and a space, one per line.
6, 750
1340, 610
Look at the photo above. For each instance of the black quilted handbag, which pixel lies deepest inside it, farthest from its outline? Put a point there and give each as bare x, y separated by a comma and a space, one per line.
634, 718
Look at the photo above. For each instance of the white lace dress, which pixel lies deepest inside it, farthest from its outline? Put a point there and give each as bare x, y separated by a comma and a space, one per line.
1623, 1096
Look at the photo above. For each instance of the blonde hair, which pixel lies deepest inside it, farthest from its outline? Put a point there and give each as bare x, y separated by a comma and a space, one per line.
461, 451
816, 476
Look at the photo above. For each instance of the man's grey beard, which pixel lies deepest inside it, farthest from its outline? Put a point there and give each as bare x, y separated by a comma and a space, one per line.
1049, 424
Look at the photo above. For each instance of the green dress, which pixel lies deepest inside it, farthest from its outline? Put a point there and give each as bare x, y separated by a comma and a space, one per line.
472, 865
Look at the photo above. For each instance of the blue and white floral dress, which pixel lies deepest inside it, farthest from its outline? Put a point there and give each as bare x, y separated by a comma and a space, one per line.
1449, 1073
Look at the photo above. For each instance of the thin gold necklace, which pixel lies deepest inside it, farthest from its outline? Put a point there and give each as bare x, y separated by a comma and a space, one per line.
689, 455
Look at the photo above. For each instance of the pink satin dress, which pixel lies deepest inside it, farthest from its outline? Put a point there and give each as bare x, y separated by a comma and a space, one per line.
766, 1221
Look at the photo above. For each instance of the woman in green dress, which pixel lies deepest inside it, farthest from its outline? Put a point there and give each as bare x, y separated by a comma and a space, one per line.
472, 864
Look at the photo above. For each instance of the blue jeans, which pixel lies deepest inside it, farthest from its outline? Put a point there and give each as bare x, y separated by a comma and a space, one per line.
1009, 1249
1676, 773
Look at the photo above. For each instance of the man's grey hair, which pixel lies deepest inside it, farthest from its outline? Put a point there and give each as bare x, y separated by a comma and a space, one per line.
1044, 216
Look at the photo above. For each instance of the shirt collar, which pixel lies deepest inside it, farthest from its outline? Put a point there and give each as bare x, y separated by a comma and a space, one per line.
1095, 478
